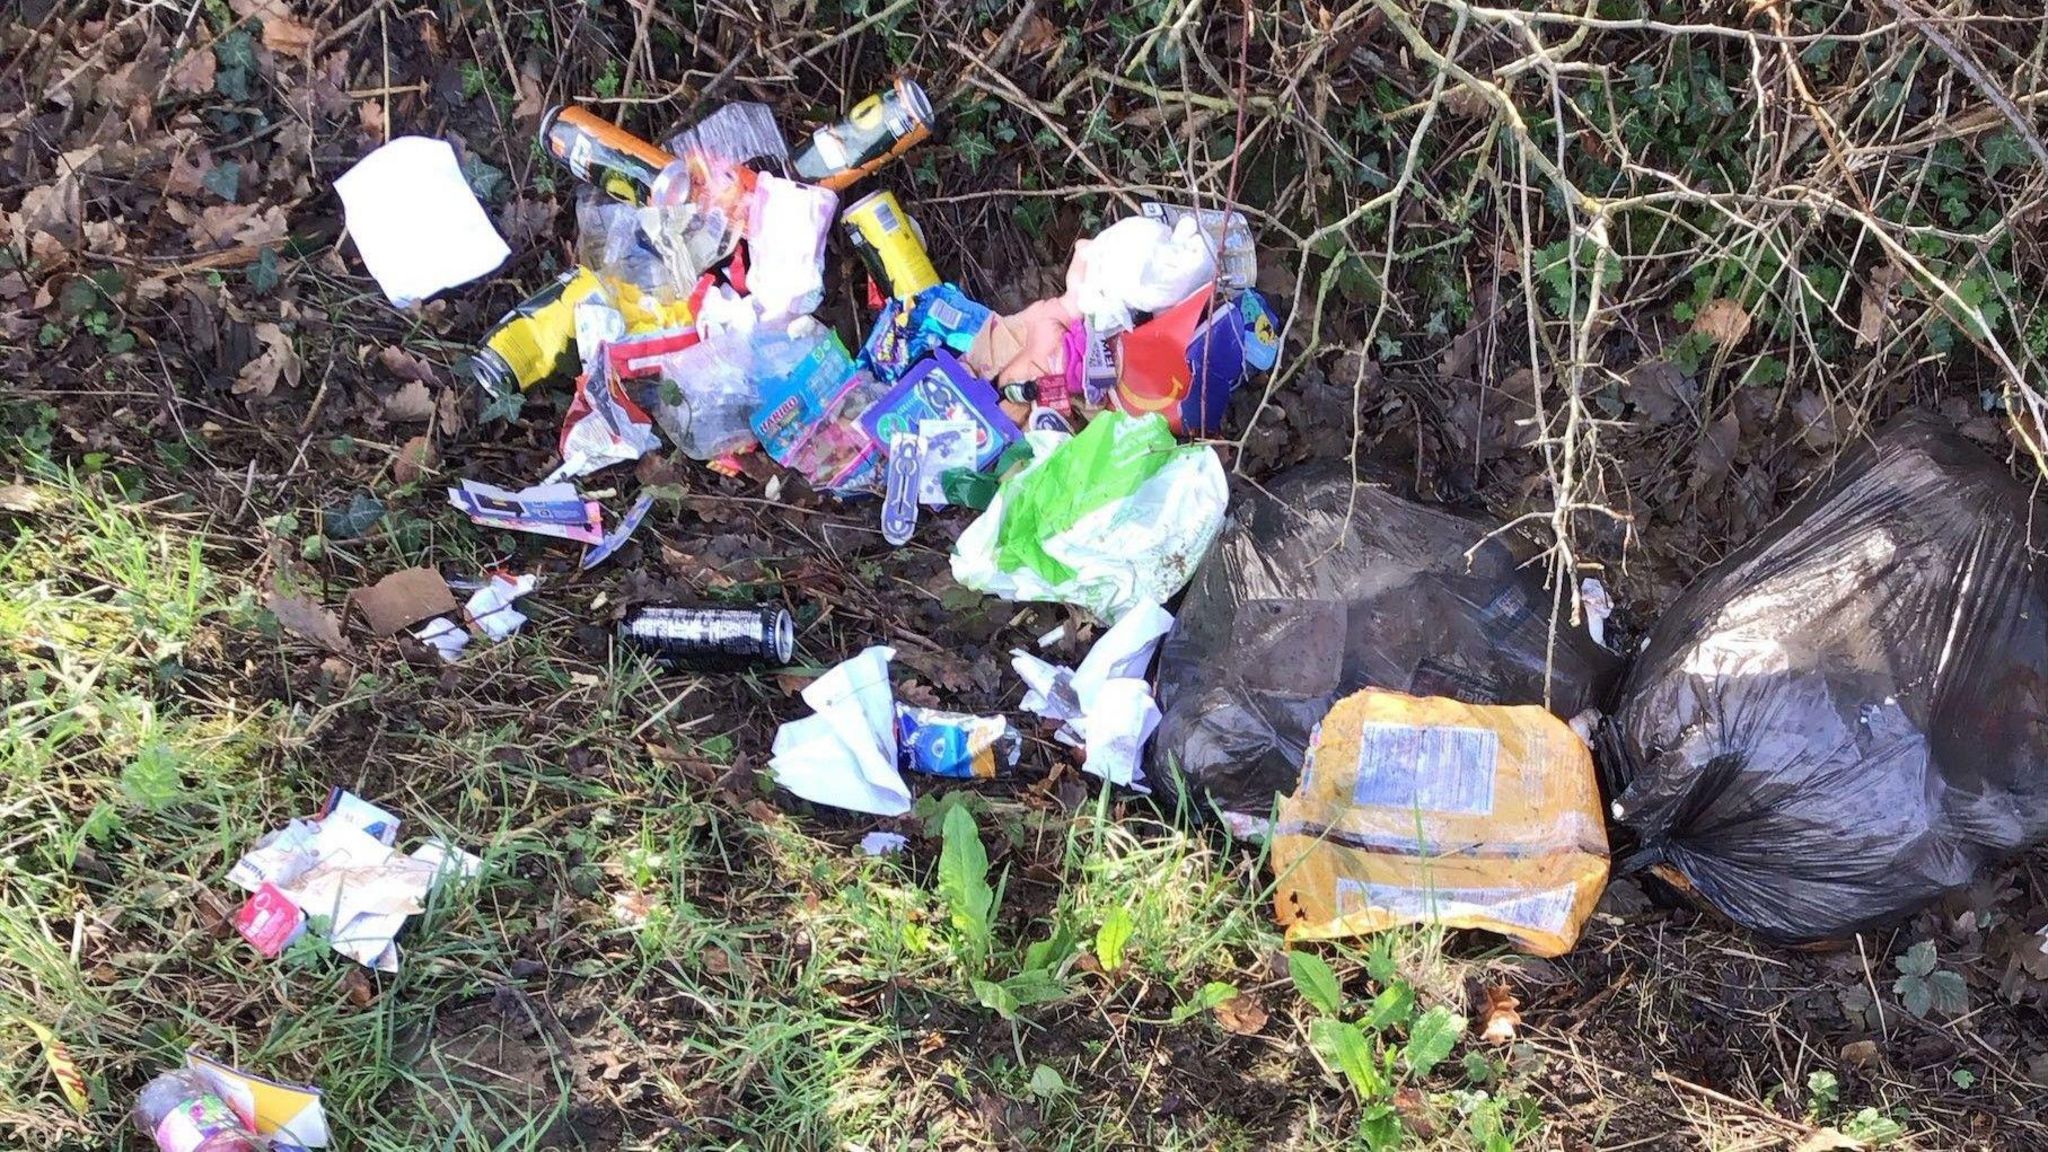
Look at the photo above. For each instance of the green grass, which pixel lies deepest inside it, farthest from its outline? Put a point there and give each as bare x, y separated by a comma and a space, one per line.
637, 954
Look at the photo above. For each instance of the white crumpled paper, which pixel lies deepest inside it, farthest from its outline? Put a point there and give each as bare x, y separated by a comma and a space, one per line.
1138, 264
845, 755
1105, 705
342, 866
490, 610
415, 221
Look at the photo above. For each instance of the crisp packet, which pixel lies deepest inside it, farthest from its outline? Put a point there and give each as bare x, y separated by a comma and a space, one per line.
955, 744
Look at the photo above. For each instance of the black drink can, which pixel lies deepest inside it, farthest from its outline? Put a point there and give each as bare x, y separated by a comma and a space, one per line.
711, 636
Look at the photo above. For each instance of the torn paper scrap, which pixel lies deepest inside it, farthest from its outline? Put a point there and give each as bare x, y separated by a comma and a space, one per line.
1106, 705
415, 221
845, 755
883, 843
490, 609
403, 598
444, 636
615, 539
546, 510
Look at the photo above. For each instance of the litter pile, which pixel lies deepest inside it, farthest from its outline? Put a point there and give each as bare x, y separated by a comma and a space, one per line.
1833, 726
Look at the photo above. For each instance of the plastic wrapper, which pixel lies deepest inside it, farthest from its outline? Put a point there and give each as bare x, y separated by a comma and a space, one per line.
743, 132
1416, 810
1228, 235
705, 396
1309, 597
1114, 517
787, 224
1849, 715
1138, 264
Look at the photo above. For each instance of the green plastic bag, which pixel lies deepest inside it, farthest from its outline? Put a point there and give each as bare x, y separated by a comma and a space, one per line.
1119, 514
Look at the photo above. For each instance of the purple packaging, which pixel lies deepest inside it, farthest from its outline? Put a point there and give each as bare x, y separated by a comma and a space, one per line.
941, 388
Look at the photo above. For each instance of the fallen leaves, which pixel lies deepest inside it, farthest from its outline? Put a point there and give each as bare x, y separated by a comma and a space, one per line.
1502, 1015
411, 404
416, 458
1723, 321
279, 360
1242, 1015
1877, 305
303, 618
194, 72
63, 1069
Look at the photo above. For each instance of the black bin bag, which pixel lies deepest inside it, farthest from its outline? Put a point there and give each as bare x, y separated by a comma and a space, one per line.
1298, 606
1844, 718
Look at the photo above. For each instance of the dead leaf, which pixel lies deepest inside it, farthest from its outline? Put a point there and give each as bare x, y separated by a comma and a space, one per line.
1242, 1015
287, 37
1877, 305
1822, 423
1827, 1140
454, 421
533, 98
410, 404
278, 360
416, 458
194, 73
304, 618
361, 991
1502, 1017
1660, 391
1723, 321
371, 115
1862, 1054
1716, 453
20, 498
1040, 37
1467, 103
917, 693
402, 598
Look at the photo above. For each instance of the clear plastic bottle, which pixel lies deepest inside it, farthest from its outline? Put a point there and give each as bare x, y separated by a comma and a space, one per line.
181, 1113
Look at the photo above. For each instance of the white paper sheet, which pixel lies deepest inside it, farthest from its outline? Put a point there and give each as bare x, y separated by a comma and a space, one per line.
415, 221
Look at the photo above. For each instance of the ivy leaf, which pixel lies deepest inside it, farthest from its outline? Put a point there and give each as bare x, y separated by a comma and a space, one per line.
504, 408
2003, 150
1435, 1033
1918, 960
1111, 937
224, 180
1315, 981
1346, 1047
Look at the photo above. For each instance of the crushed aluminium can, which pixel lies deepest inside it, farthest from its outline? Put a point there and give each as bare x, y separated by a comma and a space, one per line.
889, 245
879, 129
602, 154
711, 637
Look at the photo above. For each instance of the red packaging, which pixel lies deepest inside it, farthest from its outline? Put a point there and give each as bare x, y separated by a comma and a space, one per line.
270, 921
